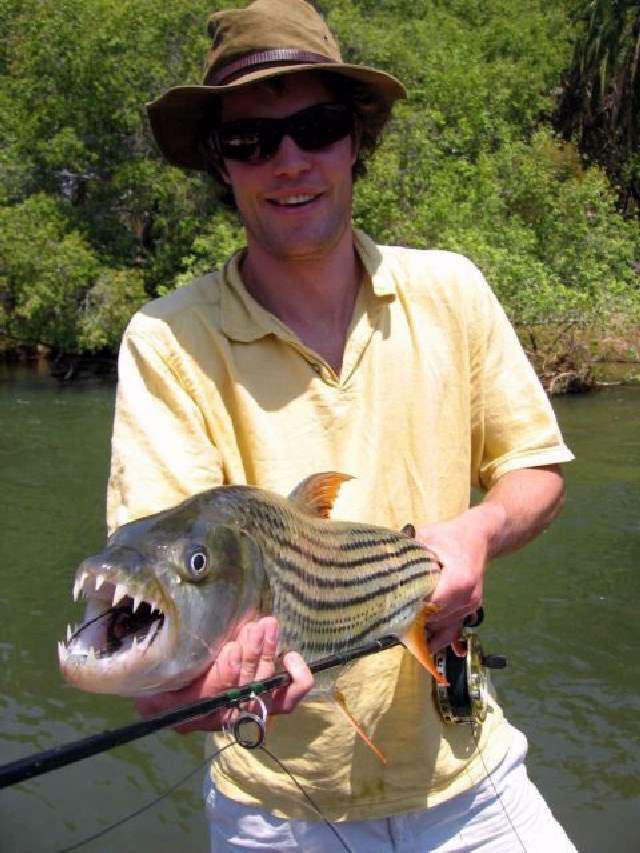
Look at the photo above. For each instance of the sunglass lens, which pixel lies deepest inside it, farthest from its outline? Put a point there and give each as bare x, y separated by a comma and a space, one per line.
320, 126
256, 140
240, 141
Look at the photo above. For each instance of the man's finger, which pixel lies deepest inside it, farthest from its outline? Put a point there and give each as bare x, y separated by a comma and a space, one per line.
251, 639
266, 664
445, 637
225, 672
285, 699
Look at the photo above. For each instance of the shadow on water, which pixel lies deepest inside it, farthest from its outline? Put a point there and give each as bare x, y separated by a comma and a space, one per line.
564, 611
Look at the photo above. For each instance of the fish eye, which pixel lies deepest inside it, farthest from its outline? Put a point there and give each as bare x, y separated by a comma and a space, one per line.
198, 562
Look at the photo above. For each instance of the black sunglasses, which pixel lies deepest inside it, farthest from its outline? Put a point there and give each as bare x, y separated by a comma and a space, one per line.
256, 140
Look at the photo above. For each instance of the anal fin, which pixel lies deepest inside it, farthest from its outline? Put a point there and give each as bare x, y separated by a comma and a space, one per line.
415, 640
341, 702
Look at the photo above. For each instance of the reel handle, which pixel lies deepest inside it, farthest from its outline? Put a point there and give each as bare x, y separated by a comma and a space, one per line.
494, 661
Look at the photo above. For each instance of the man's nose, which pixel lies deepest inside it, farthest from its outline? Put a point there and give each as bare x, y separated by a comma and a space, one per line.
290, 158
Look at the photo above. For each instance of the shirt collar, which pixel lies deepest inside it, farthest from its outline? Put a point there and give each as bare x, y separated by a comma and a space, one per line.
245, 320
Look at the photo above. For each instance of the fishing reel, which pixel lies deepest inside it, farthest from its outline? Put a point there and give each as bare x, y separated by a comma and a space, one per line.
466, 698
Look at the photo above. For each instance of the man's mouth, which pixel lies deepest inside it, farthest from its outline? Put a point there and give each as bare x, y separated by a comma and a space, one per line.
297, 200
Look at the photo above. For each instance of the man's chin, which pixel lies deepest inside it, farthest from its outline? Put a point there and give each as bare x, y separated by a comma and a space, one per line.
301, 244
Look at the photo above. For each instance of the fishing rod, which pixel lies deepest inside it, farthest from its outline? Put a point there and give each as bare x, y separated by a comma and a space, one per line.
60, 756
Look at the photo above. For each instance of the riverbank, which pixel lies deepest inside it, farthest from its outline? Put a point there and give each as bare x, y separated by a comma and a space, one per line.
571, 358
567, 357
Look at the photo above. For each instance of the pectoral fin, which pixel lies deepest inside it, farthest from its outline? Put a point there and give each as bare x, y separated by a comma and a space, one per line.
342, 704
415, 640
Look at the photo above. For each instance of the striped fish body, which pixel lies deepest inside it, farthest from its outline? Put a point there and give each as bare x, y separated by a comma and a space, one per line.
334, 585
169, 590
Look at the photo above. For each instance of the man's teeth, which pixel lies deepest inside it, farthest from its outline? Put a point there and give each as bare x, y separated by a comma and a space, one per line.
295, 199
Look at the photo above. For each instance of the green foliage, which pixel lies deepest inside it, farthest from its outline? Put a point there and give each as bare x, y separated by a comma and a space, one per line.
600, 106
45, 273
92, 222
107, 307
220, 238
53, 289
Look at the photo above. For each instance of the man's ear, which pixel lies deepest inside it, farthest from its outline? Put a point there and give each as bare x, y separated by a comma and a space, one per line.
356, 137
222, 172
217, 161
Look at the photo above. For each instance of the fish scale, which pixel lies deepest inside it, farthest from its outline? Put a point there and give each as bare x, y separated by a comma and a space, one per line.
325, 602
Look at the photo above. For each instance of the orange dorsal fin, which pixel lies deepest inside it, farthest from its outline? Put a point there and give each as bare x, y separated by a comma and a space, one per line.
415, 640
316, 495
341, 702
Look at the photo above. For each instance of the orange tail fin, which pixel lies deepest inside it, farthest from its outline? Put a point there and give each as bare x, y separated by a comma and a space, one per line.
415, 640
342, 704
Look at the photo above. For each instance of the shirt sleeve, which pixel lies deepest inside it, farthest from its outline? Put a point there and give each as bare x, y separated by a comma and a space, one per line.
161, 452
514, 423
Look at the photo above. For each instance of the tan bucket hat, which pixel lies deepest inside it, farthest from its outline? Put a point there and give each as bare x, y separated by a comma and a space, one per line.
266, 39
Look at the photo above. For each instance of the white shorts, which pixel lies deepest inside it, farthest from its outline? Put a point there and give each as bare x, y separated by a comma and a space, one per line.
504, 813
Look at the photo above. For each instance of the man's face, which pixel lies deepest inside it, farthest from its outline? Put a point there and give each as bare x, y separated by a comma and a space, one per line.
296, 205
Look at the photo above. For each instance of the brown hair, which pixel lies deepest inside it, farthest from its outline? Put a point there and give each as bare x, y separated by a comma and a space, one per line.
371, 115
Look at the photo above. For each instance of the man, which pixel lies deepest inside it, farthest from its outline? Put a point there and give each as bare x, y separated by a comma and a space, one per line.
312, 350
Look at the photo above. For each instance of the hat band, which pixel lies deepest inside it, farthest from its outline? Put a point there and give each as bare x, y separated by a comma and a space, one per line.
232, 70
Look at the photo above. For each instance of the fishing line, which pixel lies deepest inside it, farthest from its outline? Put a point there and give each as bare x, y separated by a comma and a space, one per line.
476, 740
307, 797
114, 643
85, 625
96, 835
147, 806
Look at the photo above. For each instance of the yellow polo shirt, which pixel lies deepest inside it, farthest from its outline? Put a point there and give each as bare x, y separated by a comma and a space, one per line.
435, 395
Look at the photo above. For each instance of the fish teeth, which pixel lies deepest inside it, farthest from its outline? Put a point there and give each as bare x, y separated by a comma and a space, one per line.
62, 652
119, 593
91, 654
79, 584
99, 581
69, 633
137, 600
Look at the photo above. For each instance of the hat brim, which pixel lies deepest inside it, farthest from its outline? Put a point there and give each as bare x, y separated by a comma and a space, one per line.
176, 116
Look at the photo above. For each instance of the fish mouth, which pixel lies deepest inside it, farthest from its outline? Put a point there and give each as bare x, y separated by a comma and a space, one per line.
126, 630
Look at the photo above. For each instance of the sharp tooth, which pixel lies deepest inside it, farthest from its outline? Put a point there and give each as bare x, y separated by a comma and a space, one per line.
119, 593
78, 585
91, 656
61, 651
136, 602
69, 633
99, 581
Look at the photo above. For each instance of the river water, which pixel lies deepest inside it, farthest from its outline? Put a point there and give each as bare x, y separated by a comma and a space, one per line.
564, 611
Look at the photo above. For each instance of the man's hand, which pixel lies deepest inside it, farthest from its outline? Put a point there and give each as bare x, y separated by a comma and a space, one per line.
461, 547
250, 657
518, 507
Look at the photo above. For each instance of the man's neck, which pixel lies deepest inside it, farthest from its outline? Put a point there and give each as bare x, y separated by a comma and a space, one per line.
313, 296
